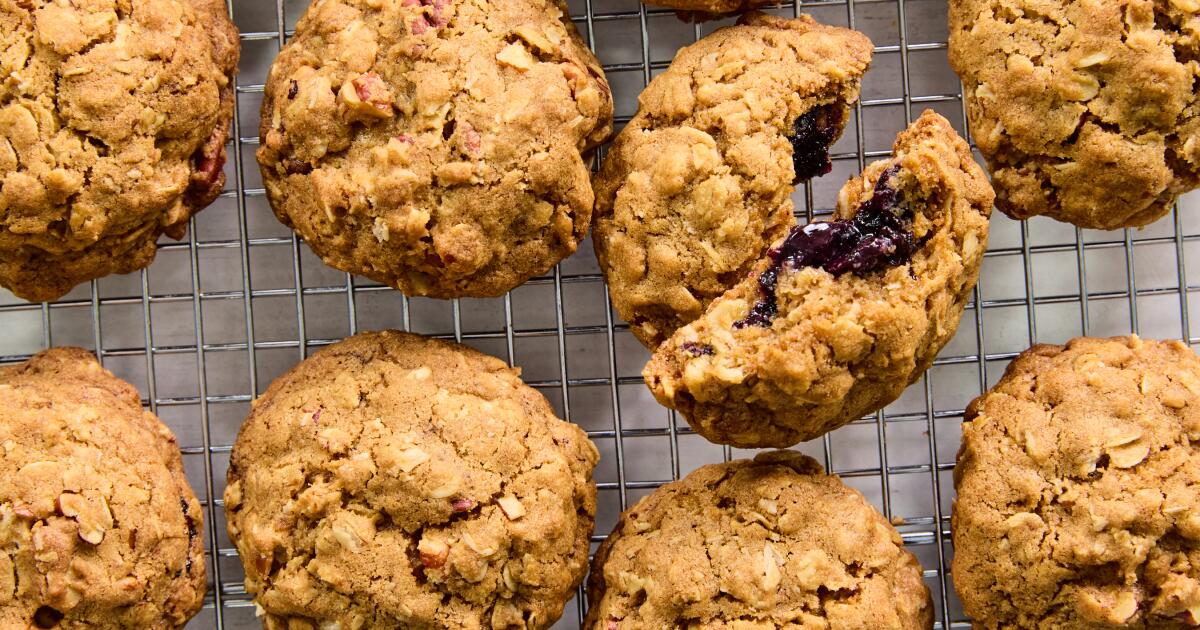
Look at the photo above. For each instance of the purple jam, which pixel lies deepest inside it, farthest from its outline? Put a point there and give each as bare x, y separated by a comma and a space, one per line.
697, 349
813, 133
191, 531
878, 236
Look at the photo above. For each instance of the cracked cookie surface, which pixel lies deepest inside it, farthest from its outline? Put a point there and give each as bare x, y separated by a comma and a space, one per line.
1085, 110
437, 146
699, 183
392, 481
113, 124
840, 316
768, 544
1077, 488
98, 527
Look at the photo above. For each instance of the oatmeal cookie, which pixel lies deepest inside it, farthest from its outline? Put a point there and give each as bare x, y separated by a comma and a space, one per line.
767, 544
1078, 478
437, 146
840, 316
699, 183
98, 527
1085, 110
397, 482
112, 132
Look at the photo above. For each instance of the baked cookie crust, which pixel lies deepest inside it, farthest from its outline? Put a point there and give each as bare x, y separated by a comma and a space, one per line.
436, 146
840, 316
1077, 490
768, 543
392, 482
112, 133
699, 183
98, 527
1085, 110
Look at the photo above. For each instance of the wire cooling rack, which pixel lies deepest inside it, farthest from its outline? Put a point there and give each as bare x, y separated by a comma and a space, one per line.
239, 301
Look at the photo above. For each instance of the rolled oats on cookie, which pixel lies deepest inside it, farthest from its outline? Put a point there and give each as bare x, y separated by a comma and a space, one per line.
699, 183
839, 316
395, 481
1077, 490
98, 526
1086, 110
112, 133
440, 147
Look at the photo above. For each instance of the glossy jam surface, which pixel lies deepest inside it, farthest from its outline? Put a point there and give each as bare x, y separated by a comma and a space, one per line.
813, 133
876, 237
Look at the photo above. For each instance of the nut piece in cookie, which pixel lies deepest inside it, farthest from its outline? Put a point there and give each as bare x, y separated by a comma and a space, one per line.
395, 481
1077, 504
1086, 110
772, 539
112, 133
440, 147
699, 183
840, 316
98, 526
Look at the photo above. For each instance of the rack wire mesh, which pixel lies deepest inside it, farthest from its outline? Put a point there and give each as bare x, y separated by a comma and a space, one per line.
240, 300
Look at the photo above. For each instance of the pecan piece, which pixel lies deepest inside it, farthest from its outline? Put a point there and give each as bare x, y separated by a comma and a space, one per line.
367, 96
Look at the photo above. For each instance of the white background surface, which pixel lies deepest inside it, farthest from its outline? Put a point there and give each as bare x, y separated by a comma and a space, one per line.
556, 329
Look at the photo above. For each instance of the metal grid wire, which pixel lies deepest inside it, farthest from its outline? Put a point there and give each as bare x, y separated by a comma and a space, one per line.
240, 301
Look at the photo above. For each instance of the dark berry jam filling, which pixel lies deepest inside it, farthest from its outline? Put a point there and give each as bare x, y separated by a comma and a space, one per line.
191, 532
876, 237
697, 349
813, 133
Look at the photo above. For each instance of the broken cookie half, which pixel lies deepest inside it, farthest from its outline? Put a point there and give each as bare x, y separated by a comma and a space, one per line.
839, 316
699, 183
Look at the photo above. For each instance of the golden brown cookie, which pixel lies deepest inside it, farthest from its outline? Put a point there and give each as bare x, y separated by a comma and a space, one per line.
699, 183
1079, 490
766, 544
1086, 110
437, 146
840, 316
112, 133
392, 482
98, 527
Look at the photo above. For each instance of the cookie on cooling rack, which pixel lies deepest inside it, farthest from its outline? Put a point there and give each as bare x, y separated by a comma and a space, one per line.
98, 527
396, 481
840, 316
1077, 490
112, 133
1087, 112
699, 183
435, 146
773, 540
